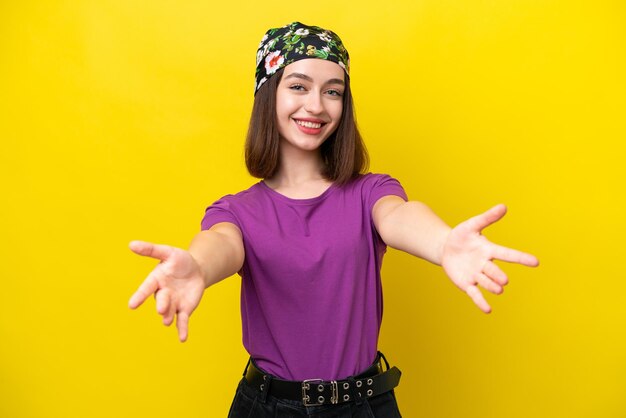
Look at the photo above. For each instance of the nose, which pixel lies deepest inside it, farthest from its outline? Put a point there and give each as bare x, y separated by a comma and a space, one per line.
314, 103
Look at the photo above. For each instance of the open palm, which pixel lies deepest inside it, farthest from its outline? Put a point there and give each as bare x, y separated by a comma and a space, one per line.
468, 257
177, 283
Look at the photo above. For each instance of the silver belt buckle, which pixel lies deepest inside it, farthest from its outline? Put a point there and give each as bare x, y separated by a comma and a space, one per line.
306, 385
334, 399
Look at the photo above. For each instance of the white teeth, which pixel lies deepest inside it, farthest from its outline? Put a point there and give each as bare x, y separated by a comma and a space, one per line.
308, 124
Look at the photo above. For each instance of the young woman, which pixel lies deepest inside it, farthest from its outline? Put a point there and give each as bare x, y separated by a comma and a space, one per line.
308, 241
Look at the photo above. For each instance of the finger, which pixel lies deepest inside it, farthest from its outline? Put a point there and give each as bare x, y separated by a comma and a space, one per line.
495, 273
182, 323
513, 256
162, 301
168, 318
488, 284
474, 293
148, 249
480, 222
148, 287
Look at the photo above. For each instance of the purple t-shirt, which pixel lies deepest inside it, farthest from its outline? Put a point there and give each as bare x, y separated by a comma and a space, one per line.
311, 296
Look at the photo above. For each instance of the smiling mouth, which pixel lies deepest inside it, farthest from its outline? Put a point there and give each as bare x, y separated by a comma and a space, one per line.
307, 124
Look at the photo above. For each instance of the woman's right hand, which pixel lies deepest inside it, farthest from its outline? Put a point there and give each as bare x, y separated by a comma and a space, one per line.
177, 283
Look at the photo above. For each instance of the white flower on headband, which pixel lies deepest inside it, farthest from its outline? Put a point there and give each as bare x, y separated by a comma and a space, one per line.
261, 81
324, 36
263, 40
259, 56
302, 32
273, 62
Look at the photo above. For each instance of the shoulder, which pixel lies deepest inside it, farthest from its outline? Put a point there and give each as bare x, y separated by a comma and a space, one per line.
373, 186
371, 181
233, 208
245, 200
243, 197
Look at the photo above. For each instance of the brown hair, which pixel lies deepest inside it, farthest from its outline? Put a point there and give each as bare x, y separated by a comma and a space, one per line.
344, 153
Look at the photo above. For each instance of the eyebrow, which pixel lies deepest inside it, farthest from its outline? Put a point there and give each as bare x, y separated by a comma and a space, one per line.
307, 78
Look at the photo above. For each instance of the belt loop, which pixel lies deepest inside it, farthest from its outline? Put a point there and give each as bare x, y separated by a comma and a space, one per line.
383, 357
354, 393
246, 369
265, 387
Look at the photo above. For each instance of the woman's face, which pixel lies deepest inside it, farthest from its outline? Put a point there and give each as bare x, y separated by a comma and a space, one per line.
309, 102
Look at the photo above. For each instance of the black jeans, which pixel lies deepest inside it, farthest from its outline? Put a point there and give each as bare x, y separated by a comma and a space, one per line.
248, 404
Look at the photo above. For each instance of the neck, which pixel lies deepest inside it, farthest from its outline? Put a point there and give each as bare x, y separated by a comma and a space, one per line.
298, 167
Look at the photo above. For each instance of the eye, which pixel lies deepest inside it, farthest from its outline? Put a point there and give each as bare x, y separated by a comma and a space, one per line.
297, 87
334, 92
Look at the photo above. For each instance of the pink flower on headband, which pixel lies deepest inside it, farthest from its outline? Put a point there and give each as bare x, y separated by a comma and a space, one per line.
273, 62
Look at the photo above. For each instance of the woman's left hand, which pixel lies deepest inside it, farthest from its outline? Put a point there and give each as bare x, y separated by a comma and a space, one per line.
468, 256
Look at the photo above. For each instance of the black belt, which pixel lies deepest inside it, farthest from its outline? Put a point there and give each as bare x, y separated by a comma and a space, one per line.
313, 392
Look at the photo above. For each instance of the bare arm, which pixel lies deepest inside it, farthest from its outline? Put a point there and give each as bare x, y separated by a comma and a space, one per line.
219, 252
411, 227
463, 252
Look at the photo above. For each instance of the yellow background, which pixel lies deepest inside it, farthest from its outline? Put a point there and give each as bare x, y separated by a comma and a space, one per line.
123, 120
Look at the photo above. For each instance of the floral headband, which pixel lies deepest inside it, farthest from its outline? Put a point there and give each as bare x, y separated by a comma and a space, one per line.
282, 46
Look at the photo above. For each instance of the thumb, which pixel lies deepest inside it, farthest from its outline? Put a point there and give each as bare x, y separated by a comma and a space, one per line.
148, 249
482, 221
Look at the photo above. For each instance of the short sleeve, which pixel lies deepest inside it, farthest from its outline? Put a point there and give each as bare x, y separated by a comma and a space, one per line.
220, 211
382, 185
